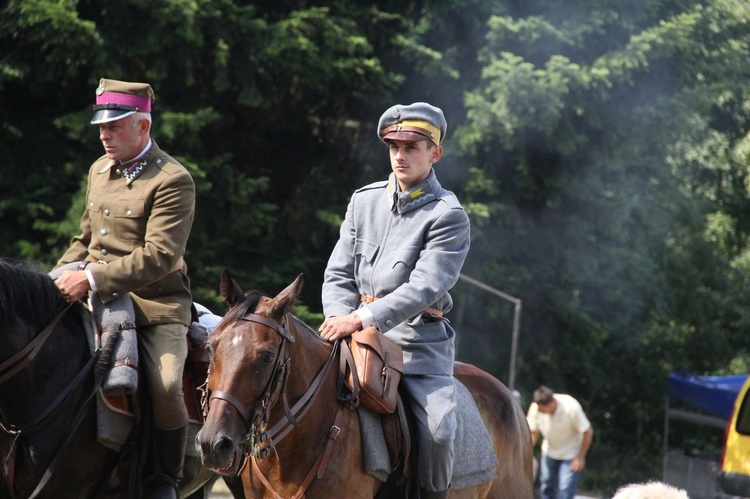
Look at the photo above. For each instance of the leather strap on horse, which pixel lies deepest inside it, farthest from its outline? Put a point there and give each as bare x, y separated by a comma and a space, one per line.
79, 419
270, 323
318, 469
228, 397
303, 404
344, 394
292, 415
429, 310
12, 366
105, 359
23, 357
277, 378
19, 361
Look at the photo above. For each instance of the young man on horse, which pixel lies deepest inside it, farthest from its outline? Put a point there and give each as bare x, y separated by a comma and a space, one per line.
139, 210
401, 248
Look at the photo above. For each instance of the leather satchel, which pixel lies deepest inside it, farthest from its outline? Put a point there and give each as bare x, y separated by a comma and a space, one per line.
371, 366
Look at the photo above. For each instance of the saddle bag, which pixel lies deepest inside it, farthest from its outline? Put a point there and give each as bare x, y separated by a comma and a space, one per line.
371, 366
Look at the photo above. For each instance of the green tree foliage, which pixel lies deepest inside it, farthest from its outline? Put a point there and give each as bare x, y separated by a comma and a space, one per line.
271, 106
614, 136
601, 149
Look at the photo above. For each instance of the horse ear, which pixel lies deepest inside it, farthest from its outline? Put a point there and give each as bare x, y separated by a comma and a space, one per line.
285, 300
231, 292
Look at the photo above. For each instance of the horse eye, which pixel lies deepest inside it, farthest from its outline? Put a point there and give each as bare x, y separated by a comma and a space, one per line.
268, 358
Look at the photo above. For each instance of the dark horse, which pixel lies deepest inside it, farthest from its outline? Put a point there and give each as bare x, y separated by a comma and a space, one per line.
48, 442
274, 418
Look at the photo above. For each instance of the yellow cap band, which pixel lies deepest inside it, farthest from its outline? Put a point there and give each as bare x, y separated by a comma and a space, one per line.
426, 125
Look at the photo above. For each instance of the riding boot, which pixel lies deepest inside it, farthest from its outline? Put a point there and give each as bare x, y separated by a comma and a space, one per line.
170, 449
430, 494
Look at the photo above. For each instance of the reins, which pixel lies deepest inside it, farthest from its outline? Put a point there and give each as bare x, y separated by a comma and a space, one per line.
258, 443
13, 366
26, 355
318, 468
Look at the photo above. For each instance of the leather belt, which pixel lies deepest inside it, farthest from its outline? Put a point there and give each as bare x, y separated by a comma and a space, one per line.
429, 310
177, 266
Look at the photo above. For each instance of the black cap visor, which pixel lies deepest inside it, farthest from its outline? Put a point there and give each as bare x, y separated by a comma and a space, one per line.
106, 113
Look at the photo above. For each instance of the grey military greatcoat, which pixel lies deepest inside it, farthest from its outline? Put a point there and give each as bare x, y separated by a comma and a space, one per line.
406, 249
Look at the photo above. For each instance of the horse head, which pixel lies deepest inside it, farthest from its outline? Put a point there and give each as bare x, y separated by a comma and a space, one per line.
248, 373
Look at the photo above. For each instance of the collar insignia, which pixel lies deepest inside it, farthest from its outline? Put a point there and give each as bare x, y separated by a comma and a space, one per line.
133, 171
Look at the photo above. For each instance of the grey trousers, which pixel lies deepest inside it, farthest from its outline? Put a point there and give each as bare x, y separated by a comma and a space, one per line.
432, 398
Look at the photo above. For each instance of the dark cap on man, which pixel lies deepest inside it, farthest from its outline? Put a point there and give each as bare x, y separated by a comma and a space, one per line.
418, 121
117, 99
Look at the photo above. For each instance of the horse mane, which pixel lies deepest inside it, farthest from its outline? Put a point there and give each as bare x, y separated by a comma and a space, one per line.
243, 306
26, 291
249, 302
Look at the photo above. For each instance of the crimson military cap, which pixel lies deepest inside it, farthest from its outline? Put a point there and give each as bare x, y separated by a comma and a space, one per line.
117, 99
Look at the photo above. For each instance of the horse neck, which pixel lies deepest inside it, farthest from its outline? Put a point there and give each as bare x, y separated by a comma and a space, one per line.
308, 354
58, 361
295, 455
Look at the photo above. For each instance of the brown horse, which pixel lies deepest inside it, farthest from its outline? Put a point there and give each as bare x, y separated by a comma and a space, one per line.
273, 415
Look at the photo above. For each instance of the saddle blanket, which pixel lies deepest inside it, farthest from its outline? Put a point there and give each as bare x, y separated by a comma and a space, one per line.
474, 461
115, 418
116, 319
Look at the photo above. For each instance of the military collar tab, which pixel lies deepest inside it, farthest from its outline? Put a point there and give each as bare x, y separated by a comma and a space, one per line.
419, 195
129, 171
133, 171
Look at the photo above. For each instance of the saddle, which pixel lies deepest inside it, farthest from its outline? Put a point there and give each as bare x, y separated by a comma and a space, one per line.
123, 423
193, 378
387, 440
130, 405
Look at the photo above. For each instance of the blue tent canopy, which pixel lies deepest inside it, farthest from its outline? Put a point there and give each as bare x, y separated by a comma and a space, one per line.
713, 394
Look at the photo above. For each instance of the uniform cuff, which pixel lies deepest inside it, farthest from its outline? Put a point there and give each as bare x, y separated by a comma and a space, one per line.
366, 317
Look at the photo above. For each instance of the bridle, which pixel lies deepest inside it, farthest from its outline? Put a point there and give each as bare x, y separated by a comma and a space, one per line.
27, 354
15, 364
258, 441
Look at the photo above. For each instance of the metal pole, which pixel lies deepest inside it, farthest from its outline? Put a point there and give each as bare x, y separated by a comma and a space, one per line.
516, 322
514, 345
665, 444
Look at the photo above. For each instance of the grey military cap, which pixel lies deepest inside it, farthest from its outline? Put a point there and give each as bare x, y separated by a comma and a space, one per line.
418, 121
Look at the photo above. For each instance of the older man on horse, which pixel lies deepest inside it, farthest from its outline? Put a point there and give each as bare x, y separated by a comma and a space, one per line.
401, 248
139, 210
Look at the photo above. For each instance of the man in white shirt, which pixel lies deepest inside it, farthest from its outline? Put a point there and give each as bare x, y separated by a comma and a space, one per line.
567, 436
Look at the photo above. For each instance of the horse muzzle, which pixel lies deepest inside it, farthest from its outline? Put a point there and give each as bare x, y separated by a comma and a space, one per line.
219, 452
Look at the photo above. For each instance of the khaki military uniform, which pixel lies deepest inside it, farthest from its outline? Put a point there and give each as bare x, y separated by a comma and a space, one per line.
140, 230
139, 227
